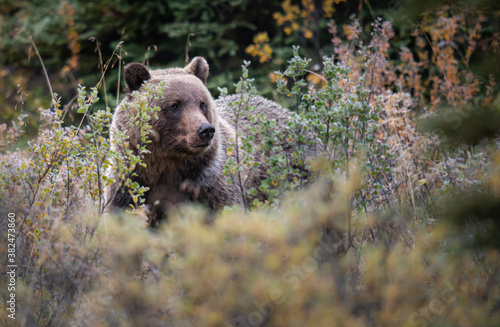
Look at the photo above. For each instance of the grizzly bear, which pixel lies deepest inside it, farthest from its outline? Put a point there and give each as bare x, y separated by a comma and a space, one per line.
189, 141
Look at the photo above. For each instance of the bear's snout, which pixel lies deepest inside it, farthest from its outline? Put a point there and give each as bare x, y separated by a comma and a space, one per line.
206, 132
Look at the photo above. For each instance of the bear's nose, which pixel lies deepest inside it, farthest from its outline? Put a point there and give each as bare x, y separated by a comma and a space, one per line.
206, 132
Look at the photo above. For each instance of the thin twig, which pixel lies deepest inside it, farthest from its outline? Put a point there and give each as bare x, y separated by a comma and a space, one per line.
188, 44
44, 70
98, 49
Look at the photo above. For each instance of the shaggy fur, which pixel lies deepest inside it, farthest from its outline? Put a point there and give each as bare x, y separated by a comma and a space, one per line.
182, 166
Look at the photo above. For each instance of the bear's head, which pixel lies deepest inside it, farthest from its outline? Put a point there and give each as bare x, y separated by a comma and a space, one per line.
187, 123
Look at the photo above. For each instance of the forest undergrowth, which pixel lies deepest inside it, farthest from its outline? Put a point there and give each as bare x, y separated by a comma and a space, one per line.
397, 226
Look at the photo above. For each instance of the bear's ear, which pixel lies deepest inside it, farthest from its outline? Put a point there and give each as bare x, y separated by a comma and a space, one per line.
199, 68
135, 74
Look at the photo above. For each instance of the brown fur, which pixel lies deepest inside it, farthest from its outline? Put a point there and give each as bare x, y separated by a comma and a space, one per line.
180, 168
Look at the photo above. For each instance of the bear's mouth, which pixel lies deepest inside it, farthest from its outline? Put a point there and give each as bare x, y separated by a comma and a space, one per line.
200, 145
197, 145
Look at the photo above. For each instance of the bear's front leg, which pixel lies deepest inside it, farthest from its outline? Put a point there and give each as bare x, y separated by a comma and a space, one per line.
116, 196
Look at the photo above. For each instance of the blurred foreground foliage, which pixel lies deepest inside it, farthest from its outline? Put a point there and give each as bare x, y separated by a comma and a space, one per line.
400, 226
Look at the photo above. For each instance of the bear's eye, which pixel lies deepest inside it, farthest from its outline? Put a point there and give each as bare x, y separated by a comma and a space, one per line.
175, 107
203, 107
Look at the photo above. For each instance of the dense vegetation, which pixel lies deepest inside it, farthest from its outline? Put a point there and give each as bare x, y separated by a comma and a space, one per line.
398, 226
